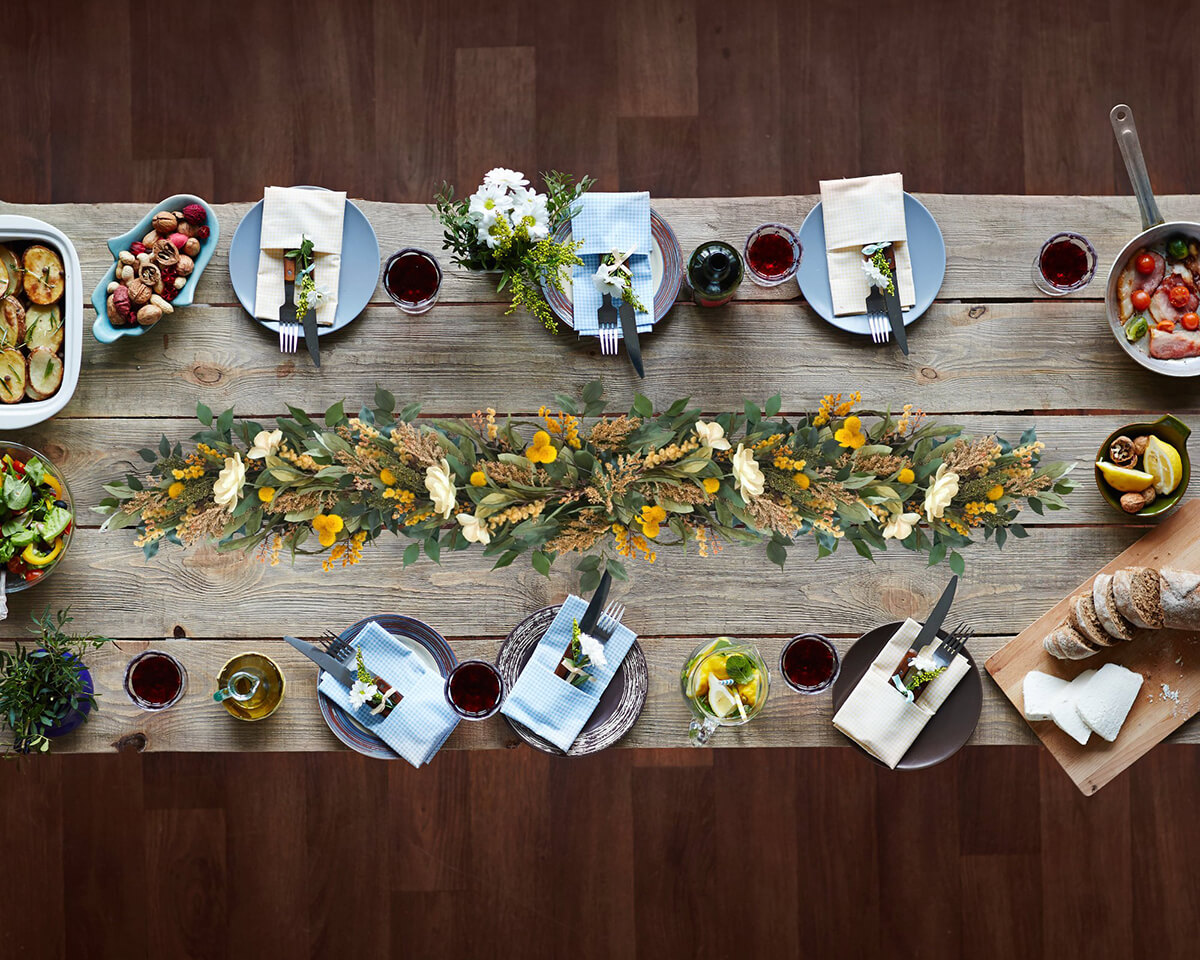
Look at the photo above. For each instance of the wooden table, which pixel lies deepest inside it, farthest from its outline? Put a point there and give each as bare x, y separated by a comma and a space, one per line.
987, 355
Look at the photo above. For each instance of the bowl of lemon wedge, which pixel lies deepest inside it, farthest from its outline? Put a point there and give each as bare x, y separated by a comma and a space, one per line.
1144, 468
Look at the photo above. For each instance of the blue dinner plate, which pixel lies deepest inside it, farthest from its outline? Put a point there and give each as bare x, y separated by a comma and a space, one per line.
926, 248
356, 282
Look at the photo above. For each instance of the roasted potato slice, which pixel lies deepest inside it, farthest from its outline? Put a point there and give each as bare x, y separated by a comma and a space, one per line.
45, 374
12, 322
12, 375
44, 280
44, 327
12, 267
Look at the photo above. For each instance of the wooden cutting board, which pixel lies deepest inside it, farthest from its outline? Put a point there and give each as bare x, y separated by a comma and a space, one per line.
1166, 658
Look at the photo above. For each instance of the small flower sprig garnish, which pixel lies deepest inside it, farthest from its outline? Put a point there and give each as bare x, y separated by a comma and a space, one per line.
576, 659
310, 295
616, 279
921, 677
365, 692
877, 268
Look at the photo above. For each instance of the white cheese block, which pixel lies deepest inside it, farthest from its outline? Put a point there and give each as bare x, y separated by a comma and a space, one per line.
1040, 690
1064, 714
1105, 702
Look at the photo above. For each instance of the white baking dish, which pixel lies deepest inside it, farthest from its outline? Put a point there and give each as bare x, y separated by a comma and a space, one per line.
22, 230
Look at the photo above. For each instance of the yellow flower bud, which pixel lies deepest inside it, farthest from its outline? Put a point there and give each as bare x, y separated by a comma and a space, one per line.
905, 476
711, 484
174, 489
803, 481
479, 479
996, 492
266, 494
387, 477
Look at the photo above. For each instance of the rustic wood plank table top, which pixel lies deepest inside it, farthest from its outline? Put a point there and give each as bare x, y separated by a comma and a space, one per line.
990, 354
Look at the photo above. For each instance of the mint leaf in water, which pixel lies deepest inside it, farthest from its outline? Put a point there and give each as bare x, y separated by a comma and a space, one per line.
739, 668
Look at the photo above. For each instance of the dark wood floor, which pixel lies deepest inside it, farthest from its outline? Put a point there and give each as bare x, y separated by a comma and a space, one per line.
672, 854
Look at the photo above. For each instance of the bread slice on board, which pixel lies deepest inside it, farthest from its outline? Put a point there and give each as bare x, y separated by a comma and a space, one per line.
1067, 643
1083, 618
1136, 592
1115, 625
1179, 597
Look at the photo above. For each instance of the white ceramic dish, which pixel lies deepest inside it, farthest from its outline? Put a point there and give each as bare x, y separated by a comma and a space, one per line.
23, 230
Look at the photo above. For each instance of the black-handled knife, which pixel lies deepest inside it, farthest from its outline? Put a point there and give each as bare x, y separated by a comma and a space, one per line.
335, 668
312, 338
938, 615
632, 343
895, 314
596, 604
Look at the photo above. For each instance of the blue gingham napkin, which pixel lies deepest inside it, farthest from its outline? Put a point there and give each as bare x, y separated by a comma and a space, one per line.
546, 703
417, 726
606, 222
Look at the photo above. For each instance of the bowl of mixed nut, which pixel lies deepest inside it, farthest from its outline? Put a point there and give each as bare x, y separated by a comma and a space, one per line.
156, 266
1144, 468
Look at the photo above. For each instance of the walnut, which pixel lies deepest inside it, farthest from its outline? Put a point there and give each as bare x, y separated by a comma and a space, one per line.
185, 266
165, 253
149, 315
112, 312
1130, 502
186, 229
192, 247
149, 274
139, 291
164, 222
1122, 453
1140, 444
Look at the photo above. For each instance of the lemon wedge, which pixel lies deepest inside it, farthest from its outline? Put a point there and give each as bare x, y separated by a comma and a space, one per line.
1124, 479
721, 699
1162, 462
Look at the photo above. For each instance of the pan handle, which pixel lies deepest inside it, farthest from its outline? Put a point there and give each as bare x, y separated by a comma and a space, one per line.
1135, 164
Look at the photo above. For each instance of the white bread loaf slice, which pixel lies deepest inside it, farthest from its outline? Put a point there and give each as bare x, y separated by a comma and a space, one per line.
1136, 591
1066, 716
1105, 702
1083, 618
1039, 691
1179, 597
1115, 625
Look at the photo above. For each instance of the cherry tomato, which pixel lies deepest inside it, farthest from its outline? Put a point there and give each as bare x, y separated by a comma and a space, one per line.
18, 468
1190, 321
1140, 299
1166, 326
33, 575
1179, 295
1145, 263
17, 566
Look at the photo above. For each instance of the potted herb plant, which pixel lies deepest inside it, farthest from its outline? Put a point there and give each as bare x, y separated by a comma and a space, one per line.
46, 691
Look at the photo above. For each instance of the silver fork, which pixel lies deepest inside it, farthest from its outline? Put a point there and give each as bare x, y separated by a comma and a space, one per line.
953, 645
608, 336
341, 650
612, 613
289, 337
877, 319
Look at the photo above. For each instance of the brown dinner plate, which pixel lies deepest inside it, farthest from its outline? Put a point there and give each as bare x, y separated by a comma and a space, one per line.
947, 730
618, 708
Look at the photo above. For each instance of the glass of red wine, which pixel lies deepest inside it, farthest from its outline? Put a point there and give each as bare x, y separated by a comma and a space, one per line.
413, 279
155, 680
772, 254
475, 689
809, 663
1066, 263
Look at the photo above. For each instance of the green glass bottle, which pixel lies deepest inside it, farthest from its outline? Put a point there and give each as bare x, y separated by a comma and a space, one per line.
714, 273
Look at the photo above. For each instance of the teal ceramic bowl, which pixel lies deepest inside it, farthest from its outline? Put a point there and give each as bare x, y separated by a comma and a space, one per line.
1169, 429
102, 328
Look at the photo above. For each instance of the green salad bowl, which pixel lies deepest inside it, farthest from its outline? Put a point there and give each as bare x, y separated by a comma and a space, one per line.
1170, 429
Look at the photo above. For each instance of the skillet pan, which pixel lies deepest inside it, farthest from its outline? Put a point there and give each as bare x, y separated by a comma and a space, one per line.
1155, 230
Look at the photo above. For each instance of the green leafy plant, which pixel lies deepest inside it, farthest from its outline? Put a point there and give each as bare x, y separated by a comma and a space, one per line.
40, 687
575, 481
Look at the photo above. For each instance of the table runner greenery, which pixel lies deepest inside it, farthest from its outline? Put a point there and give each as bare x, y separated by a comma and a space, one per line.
574, 480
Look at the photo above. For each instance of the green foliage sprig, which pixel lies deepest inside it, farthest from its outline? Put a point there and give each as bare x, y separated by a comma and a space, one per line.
574, 481
40, 687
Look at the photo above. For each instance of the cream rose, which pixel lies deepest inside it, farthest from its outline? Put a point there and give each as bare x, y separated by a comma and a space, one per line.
474, 529
712, 435
900, 525
228, 488
439, 481
747, 476
941, 491
266, 443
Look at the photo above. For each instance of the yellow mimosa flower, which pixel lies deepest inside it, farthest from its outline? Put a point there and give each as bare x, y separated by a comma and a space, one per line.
327, 526
266, 494
541, 450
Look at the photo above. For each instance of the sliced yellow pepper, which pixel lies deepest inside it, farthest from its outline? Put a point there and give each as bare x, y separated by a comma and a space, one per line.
32, 556
52, 482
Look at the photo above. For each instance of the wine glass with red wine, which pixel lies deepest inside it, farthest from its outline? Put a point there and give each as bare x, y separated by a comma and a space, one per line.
1066, 263
809, 663
475, 689
772, 254
413, 279
155, 680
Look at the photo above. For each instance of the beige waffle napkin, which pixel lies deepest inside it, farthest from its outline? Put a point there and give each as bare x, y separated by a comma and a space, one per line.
876, 715
288, 214
857, 212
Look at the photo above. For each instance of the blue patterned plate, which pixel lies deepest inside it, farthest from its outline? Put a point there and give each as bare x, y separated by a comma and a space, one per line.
429, 645
926, 248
